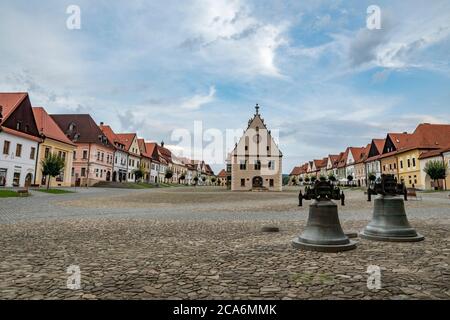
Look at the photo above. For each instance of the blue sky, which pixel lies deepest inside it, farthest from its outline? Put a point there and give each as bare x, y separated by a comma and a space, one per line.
321, 77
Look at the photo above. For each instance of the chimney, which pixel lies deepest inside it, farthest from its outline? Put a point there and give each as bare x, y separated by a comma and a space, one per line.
101, 123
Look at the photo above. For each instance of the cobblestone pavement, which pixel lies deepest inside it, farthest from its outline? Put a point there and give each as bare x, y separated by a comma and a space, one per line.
154, 251
194, 204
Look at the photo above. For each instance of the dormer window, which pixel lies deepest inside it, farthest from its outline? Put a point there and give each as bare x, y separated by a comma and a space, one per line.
72, 127
18, 125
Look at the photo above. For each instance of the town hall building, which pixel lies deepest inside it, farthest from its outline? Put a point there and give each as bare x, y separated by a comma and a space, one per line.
256, 161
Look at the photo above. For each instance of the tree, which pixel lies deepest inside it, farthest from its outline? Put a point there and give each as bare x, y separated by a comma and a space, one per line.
195, 180
138, 174
169, 174
350, 178
300, 179
437, 170
294, 181
332, 177
372, 177
322, 178
182, 177
307, 179
213, 180
52, 166
313, 178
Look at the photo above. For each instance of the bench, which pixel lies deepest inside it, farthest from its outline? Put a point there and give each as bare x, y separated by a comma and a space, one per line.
22, 192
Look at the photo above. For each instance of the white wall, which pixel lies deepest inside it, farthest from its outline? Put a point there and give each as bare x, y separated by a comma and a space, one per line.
132, 165
425, 180
22, 164
120, 163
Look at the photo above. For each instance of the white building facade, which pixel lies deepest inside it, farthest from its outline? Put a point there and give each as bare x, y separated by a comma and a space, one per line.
19, 140
17, 160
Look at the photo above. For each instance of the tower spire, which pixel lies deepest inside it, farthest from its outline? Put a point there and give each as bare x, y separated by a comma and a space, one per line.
257, 108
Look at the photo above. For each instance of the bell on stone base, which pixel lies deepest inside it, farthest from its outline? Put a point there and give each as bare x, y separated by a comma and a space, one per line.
389, 221
323, 230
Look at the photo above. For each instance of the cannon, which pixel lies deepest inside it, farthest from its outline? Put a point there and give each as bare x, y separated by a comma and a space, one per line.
321, 189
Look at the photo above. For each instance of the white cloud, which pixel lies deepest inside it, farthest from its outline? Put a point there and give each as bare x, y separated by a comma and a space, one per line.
406, 34
226, 34
199, 100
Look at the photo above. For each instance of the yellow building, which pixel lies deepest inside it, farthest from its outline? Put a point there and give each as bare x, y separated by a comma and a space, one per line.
394, 143
54, 142
389, 164
403, 153
446, 155
409, 170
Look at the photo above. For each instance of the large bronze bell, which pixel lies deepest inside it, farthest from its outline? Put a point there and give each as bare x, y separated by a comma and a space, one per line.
323, 231
389, 220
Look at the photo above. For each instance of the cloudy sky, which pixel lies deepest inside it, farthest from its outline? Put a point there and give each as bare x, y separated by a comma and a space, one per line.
320, 75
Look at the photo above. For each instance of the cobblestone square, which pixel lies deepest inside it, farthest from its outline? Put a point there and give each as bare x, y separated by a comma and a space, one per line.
206, 243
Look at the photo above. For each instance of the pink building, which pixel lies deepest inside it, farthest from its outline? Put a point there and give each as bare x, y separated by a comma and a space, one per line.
94, 156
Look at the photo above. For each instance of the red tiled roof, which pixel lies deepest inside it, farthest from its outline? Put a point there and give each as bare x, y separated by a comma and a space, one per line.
164, 153
360, 154
295, 171
343, 158
365, 154
222, 174
432, 153
48, 127
112, 137
151, 148
320, 163
425, 136
143, 149
431, 136
126, 139
334, 158
400, 140
379, 144
9, 101
299, 169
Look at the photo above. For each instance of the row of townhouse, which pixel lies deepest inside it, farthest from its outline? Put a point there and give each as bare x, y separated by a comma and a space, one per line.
401, 154
92, 153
